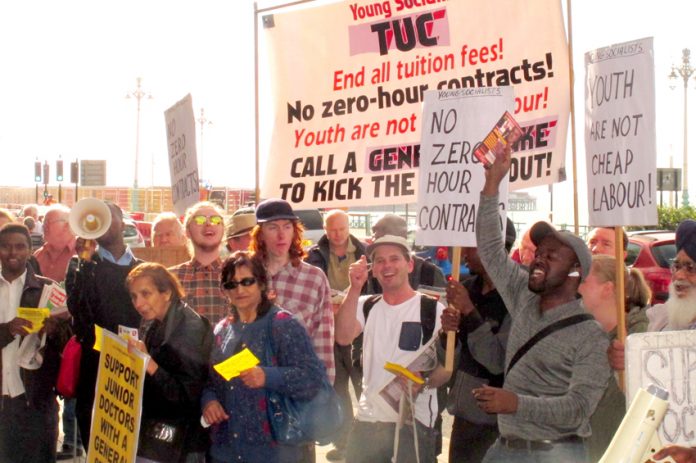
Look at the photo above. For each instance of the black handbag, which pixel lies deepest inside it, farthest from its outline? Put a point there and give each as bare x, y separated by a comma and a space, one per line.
294, 421
162, 440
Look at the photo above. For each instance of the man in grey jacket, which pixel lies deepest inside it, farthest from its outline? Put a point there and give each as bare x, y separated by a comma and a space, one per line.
546, 401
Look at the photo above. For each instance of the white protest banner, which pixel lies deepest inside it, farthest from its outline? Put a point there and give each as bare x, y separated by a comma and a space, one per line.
451, 177
183, 163
349, 79
117, 402
620, 134
668, 360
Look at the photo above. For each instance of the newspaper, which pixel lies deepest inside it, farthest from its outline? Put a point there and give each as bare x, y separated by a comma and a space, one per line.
394, 391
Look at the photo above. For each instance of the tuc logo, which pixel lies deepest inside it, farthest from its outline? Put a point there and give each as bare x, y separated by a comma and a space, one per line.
404, 33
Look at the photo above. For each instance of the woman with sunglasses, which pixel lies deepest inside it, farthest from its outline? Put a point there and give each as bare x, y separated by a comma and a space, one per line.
179, 342
237, 407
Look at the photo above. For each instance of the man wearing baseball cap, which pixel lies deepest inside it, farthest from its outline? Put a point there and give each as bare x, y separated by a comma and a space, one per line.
551, 387
396, 331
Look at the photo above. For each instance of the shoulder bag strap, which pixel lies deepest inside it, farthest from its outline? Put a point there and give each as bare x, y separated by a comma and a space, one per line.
560, 324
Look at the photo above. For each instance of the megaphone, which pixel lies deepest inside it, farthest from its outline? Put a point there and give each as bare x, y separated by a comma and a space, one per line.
636, 440
90, 218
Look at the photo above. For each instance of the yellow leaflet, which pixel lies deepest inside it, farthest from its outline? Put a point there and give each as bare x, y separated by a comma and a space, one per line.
35, 316
234, 365
98, 338
399, 370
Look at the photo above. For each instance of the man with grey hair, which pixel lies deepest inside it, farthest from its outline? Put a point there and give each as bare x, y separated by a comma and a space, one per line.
167, 231
59, 243
556, 362
200, 276
32, 210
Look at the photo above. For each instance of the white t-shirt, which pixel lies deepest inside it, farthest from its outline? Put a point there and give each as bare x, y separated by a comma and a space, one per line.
380, 345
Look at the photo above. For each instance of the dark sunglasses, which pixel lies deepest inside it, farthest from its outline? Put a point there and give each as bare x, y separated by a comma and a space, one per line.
232, 284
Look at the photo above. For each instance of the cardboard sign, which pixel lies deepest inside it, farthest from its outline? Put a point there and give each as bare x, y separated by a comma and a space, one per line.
117, 402
183, 162
668, 360
620, 134
455, 124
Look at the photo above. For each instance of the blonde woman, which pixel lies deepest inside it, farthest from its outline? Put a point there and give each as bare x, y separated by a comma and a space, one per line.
598, 292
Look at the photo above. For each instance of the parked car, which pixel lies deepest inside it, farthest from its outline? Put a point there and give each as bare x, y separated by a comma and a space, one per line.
131, 235
652, 252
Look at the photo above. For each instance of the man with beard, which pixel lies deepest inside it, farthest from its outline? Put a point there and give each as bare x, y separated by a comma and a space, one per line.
200, 276
678, 313
97, 295
553, 385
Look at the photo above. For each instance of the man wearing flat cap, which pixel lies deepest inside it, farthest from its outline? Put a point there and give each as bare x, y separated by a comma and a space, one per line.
551, 387
239, 231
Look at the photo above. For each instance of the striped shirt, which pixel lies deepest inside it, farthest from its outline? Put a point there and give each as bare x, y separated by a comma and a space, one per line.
304, 292
202, 288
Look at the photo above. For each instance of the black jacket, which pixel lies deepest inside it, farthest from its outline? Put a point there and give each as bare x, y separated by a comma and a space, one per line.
180, 345
318, 255
39, 384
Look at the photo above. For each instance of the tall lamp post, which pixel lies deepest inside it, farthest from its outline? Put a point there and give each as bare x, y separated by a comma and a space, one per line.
138, 94
202, 121
684, 71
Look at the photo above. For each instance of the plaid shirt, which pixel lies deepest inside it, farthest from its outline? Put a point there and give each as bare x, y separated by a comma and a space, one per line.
304, 292
202, 288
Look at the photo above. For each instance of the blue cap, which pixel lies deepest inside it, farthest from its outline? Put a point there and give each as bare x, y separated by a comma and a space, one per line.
274, 209
686, 238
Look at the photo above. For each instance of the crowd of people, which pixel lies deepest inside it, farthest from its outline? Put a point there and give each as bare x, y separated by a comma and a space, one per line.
536, 335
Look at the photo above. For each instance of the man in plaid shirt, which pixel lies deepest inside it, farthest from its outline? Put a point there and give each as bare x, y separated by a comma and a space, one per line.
200, 276
298, 287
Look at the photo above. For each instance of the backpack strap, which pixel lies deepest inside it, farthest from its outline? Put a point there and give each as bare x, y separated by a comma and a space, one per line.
558, 325
428, 313
369, 304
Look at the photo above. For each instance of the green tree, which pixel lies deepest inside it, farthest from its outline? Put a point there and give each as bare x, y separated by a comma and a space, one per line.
668, 217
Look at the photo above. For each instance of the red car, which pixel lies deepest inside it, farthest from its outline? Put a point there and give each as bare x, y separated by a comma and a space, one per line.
652, 252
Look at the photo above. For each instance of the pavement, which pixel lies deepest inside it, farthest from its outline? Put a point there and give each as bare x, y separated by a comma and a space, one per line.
321, 451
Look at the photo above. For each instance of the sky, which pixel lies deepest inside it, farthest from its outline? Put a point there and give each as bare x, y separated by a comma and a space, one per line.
68, 66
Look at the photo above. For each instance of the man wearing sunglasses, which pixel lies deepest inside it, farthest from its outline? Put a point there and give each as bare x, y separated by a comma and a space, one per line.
200, 276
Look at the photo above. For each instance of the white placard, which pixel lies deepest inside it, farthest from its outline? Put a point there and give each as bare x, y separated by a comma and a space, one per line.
668, 360
183, 162
451, 178
620, 134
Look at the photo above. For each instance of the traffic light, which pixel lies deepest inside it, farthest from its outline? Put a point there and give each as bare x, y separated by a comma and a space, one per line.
59, 170
46, 173
37, 172
74, 171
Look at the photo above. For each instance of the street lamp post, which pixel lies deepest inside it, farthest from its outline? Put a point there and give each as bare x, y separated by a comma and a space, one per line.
684, 71
203, 121
138, 94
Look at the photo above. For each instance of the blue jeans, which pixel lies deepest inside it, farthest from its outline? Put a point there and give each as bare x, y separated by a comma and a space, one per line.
69, 425
574, 452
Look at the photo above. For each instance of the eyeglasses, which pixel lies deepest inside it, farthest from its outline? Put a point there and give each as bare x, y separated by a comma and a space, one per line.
688, 266
232, 284
212, 220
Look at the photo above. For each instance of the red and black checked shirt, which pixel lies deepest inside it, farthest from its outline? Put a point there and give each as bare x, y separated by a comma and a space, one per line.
304, 292
202, 288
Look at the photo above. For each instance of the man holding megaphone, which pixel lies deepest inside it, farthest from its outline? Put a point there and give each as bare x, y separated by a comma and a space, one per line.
97, 293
